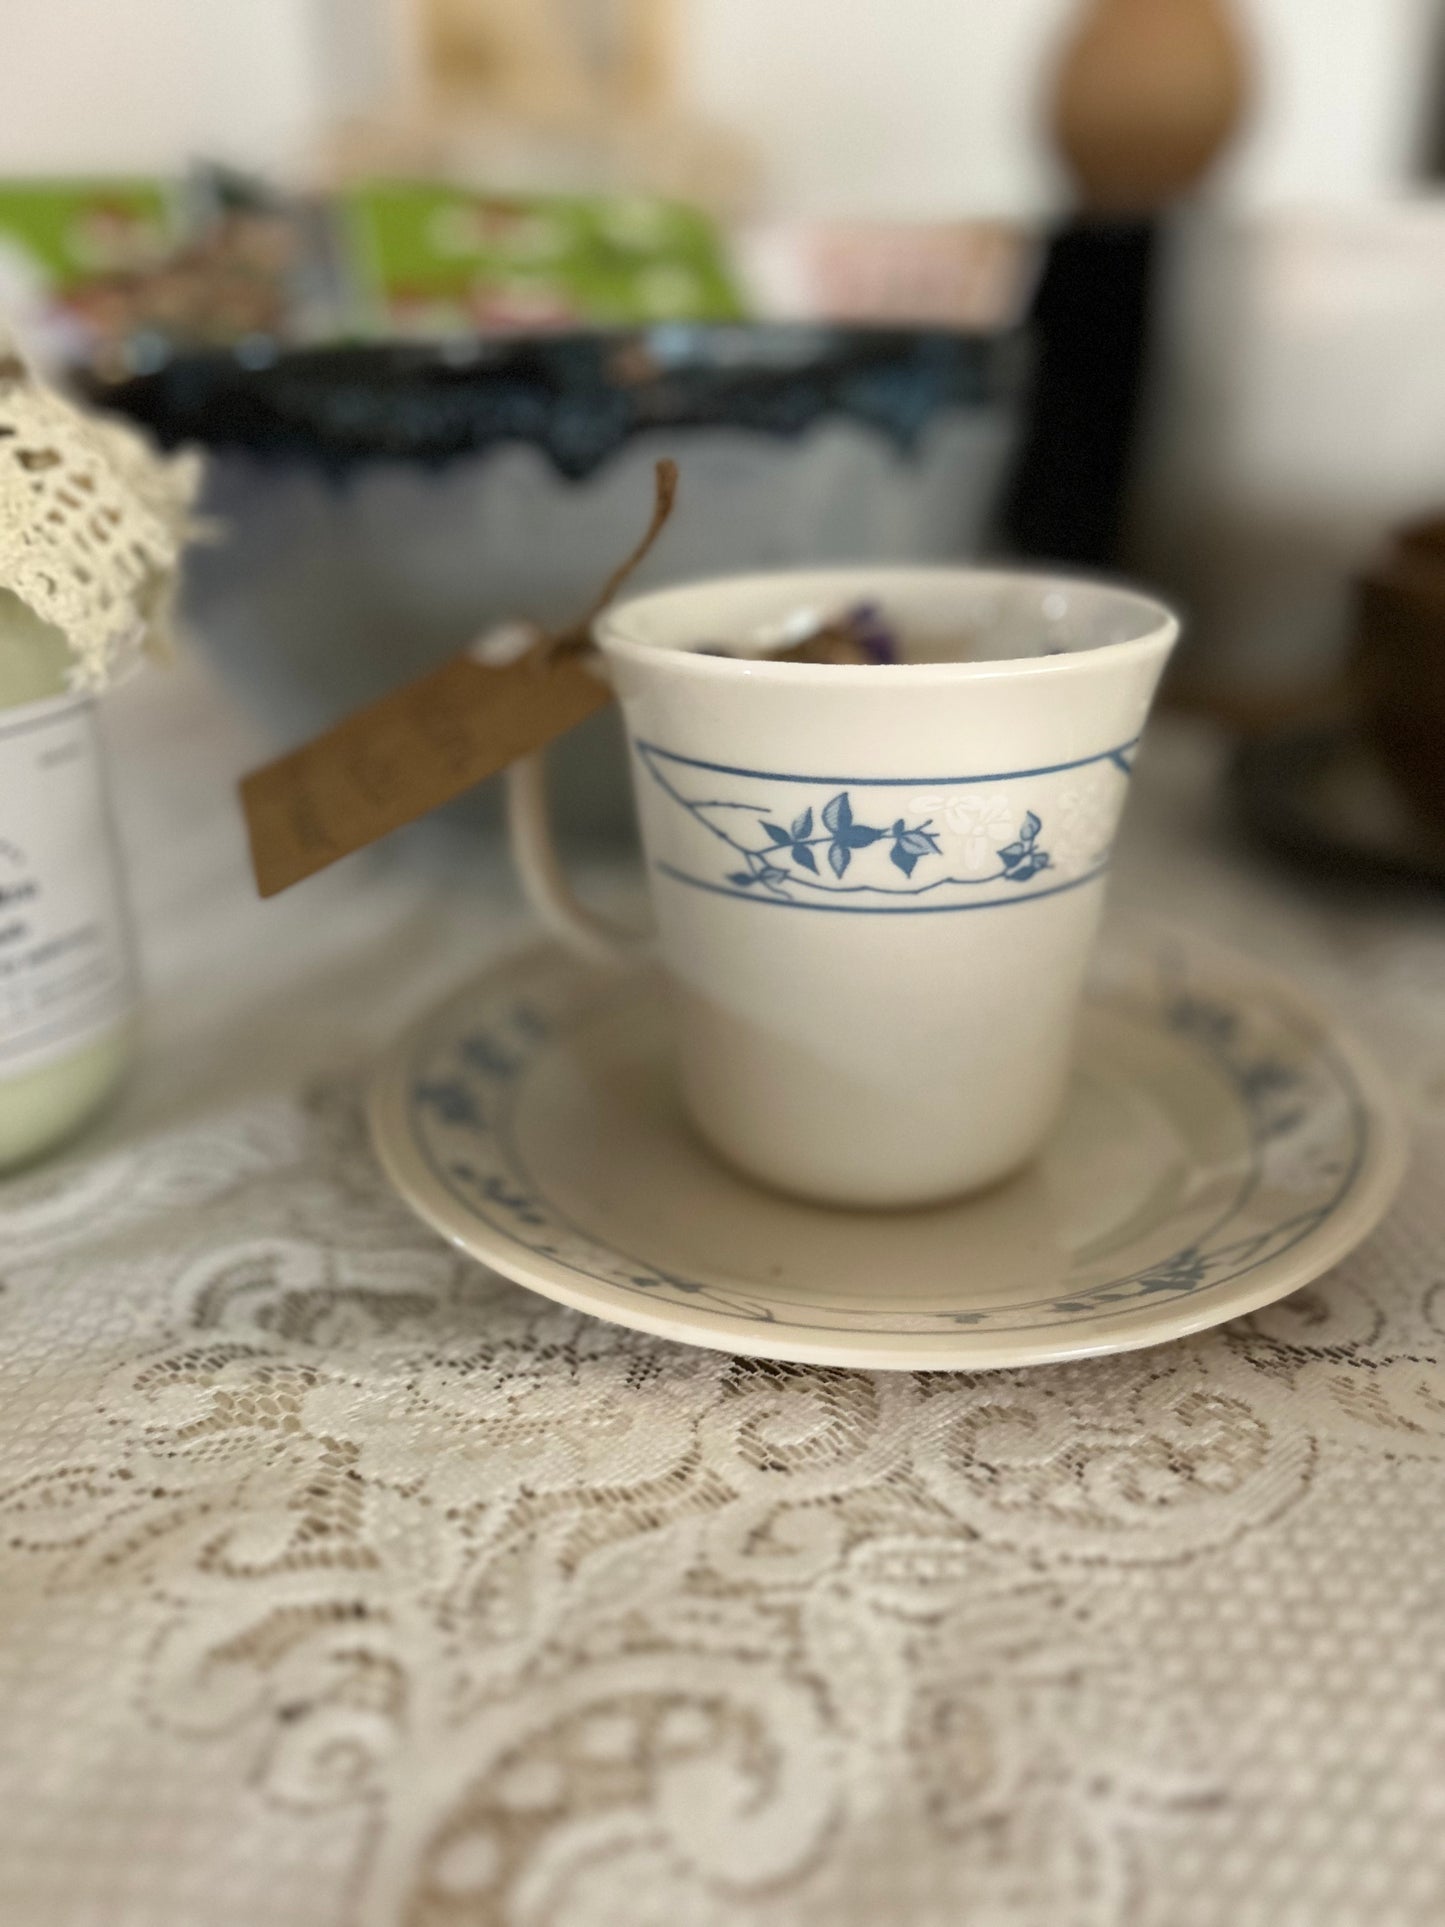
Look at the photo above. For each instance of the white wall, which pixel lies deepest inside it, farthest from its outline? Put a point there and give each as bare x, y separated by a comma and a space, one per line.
894, 107
1345, 84
890, 107
881, 106
115, 85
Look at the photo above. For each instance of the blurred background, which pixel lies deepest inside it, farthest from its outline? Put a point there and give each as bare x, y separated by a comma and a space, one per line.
1154, 286
925, 108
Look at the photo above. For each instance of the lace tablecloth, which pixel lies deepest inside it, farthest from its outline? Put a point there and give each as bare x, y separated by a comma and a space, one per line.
342, 1582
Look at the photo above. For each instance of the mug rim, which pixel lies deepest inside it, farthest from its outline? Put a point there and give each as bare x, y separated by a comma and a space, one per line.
610, 631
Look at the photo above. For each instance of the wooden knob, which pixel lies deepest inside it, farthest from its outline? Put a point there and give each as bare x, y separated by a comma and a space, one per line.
1148, 94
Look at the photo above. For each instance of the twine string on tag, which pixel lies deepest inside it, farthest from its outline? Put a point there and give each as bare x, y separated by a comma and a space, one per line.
578, 633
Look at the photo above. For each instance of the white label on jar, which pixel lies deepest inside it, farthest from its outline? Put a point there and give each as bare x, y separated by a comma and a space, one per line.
65, 973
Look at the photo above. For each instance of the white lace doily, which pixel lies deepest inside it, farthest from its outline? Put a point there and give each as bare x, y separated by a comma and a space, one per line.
92, 523
344, 1585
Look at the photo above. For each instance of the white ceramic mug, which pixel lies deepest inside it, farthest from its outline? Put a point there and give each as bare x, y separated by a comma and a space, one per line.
876, 888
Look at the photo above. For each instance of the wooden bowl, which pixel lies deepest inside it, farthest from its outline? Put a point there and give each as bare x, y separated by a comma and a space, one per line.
1397, 664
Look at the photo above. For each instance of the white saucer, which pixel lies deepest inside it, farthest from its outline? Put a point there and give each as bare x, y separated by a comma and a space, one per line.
1224, 1143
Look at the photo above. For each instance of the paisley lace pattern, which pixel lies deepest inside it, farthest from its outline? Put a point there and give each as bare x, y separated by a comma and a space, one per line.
345, 1585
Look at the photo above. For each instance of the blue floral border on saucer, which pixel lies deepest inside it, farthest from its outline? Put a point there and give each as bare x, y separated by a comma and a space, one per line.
461, 1098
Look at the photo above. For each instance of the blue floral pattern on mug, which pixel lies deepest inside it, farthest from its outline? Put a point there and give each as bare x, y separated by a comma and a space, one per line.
964, 842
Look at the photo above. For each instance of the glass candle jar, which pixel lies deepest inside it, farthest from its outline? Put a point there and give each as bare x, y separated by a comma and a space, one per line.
67, 979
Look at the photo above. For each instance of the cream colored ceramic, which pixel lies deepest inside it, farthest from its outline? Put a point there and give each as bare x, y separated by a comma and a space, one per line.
876, 888
1222, 1143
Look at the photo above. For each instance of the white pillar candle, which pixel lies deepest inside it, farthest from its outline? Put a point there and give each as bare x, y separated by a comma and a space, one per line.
67, 980
92, 523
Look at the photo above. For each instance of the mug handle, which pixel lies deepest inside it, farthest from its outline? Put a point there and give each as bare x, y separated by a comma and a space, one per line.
594, 940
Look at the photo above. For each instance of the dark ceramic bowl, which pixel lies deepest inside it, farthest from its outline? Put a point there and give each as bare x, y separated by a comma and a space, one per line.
381, 505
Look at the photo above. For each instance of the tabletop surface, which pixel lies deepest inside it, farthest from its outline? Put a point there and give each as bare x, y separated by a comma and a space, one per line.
343, 1582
